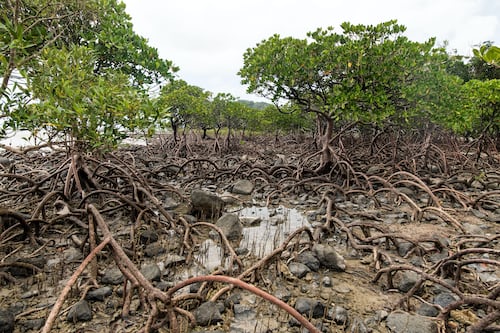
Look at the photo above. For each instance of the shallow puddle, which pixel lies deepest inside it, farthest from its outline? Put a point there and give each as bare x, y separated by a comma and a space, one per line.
264, 230
276, 224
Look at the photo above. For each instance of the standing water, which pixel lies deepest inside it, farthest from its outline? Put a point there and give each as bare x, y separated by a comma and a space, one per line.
275, 226
265, 229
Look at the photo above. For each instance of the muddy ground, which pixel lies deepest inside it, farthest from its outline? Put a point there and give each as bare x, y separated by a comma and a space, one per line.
380, 244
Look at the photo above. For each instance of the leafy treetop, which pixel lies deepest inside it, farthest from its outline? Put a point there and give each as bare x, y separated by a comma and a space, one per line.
83, 71
358, 74
489, 53
93, 111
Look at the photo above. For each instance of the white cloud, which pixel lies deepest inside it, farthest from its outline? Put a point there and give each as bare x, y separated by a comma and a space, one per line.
207, 39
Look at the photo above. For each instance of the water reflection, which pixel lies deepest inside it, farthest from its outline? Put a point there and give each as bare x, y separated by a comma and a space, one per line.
276, 225
264, 230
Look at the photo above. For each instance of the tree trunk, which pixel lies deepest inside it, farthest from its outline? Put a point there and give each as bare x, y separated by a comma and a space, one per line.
228, 137
325, 136
174, 129
216, 141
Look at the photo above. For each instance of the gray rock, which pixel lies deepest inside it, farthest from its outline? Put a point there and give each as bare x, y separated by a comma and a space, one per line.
328, 257
206, 204
81, 311
17, 307
148, 237
172, 169
243, 312
151, 272
310, 307
72, 254
417, 261
427, 310
437, 288
154, 249
243, 186
309, 259
190, 218
170, 204
232, 300
477, 185
99, 294
7, 321
30, 294
298, 269
408, 280
231, 226
494, 218
402, 322
207, 314
112, 276
241, 251
340, 316
32, 324
444, 299
283, 294
280, 160
250, 221
20, 271
326, 281
5, 162
438, 256
164, 285
381, 315
375, 170
406, 190
404, 248
195, 287
491, 278
173, 260
359, 327
229, 198
472, 228
342, 288
312, 217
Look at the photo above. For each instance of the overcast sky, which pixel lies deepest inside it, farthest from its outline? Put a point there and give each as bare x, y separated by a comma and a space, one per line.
207, 38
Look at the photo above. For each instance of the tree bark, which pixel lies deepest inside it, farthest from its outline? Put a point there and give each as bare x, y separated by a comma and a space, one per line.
173, 123
325, 136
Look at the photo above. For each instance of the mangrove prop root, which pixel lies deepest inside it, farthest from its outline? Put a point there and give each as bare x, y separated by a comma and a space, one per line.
237, 282
135, 186
67, 288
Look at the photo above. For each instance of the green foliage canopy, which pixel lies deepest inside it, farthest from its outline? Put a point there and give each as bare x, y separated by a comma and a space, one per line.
93, 89
186, 104
29, 26
489, 53
95, 110
287, 118
117, 46
483, 106
359, 74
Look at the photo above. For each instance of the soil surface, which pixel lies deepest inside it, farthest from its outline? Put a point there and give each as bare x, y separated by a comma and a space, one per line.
376, 245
